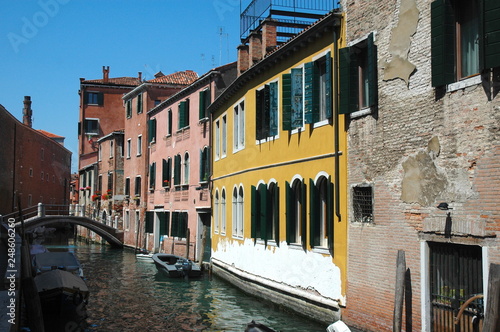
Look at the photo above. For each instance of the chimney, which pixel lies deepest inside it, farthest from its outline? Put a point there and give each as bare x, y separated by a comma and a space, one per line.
242, 58
255, 49
139, 75
105, 73
268, 36
27, 112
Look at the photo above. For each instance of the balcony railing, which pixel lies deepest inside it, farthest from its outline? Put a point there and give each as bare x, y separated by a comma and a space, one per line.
293, 15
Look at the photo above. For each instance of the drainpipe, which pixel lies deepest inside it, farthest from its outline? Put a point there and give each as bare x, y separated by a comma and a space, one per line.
336, 123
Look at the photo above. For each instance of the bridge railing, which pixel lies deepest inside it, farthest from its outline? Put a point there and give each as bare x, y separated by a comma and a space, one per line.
42, 210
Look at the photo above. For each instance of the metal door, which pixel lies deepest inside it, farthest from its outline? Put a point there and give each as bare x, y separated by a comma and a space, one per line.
455, 277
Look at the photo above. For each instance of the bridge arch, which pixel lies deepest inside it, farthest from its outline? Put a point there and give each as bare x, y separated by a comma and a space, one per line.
106, 232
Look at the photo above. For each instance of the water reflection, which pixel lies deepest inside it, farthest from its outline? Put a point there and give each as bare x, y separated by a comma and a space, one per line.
130, 295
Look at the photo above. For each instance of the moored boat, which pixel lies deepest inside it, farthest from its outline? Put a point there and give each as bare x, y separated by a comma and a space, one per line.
60, 260
176, 266
144, 256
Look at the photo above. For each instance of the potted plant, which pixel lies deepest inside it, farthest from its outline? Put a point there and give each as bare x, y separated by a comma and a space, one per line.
166, 183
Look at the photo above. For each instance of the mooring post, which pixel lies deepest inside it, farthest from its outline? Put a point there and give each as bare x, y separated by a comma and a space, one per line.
400, 291
41, 210
187, 243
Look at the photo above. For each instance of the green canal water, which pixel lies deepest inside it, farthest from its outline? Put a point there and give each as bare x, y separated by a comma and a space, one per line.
131, 295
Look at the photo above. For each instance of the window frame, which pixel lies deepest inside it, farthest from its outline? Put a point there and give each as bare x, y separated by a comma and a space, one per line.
139, 145
239, 126
93, 131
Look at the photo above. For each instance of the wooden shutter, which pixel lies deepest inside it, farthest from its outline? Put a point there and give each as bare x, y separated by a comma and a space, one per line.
164, 222
348, 81
182, 114
303, 215
491, 41
311, 93
328, 85
286, 101
139, 103
151, 130
129, 109
177, 170
273, 108
164, 173
290, 215
149, 222
259, 113
183, 224
254, 213
297, 96
329, 215
371, 54
100, 98
175, 224
152, 175
314, 213
276, 214
263, 216
203, 106
442, 43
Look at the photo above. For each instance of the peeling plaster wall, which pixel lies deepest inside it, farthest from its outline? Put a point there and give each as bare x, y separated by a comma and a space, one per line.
288, 266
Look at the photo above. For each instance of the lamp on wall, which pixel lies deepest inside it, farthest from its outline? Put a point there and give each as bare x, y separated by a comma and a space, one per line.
447, 227
444, 206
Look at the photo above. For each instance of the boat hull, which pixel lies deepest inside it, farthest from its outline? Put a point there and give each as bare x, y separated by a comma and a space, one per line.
176, 267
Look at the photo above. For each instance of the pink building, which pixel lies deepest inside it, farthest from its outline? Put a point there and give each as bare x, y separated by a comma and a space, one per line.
137, 142
179, 206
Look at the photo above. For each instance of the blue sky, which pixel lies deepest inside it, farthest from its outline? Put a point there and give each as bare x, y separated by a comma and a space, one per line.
47, 45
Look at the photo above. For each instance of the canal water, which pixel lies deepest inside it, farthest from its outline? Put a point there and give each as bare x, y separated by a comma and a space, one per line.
131, 295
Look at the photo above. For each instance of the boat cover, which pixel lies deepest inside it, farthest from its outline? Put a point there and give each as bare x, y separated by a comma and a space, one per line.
62, 260
63, 280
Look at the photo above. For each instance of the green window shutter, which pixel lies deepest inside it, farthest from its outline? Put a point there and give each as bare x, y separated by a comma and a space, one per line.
202, 164
163, 218
491, 41
139, 103
329, 215
276, 216
151, 130
311, 93
297, 96
164, 173
442, 43
273, 109
328, 85
348, 80
254, 213
286, 101
371, 53
152, 175
183, 224
149, 222
303, 215
259, 113
314, 213
177, 170
202, 104
100, 99
290, 215
182, 114
263, 212
175, 224
128, 109
265, 115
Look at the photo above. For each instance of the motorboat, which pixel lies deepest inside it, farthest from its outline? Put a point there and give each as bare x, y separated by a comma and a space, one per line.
176, 266
144, 256
57, 260
64, 297
257, 327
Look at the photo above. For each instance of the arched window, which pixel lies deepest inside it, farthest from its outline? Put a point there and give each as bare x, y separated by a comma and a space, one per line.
216, 212
321, 213
223, 211
238, 212
296, 213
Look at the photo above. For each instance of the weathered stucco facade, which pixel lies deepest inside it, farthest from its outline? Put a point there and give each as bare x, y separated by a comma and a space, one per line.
421, 144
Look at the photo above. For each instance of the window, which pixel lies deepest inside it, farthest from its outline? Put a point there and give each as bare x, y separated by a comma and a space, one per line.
91, 126
362, 200
465, 38
169, 124
127, 187
224, 136
204, 164
183, 114
42, 176
164, 220
126, 219
321, 213
110, 181
166, 172
238, 212
129, 147
265, 212
179, 224
205, 100
137, 219
216, 211
139, 145
119, 142
239, 126
358, 76
293, 114
152, 176
217, 139
157, 102
31, 172
296, 213
186, 168
139, 103
149, 224
99, 183
152, 130
111, 149
137, 188
94, 98
266, 115
128, 109
223, 211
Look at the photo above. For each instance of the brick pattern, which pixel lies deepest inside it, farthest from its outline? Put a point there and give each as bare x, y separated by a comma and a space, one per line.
465, 123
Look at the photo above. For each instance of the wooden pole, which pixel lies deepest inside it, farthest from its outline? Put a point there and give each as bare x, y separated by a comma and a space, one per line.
492, 314
187, 243
400, 291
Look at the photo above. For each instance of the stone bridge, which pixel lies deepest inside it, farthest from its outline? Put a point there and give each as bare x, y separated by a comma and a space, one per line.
47, 215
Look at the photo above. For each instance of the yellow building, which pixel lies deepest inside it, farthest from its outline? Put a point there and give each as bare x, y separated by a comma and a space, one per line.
279, 225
